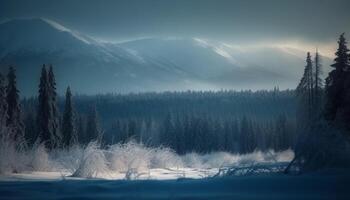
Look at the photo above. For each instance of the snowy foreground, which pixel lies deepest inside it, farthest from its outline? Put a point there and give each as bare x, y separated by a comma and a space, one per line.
133, 171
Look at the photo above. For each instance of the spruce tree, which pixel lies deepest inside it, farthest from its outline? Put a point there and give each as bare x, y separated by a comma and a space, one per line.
81, 134
167, 135
68, 125
43, 107
281, 133
305, 95
47, 118
14, 118
337, 97
3, 106
55, 125
318, 89
93, 131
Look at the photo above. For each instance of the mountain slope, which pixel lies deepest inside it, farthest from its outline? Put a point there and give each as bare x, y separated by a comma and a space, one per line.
227, 66
156, 64
85, 64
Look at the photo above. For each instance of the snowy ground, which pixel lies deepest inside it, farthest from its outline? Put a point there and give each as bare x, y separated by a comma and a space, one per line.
133, 171
153, 174
325, 185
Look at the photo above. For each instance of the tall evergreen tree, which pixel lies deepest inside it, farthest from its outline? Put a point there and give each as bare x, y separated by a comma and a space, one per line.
81, 129
55, 116
281, 133
248, 142
318, 89
68, 124
168, 132
336, 85
304, 94
47, 115
93, 131
14, 118
3, 106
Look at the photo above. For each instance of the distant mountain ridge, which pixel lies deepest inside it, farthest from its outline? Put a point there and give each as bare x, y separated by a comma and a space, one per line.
155, 64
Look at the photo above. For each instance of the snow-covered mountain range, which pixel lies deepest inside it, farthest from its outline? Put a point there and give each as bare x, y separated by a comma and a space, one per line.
155, 64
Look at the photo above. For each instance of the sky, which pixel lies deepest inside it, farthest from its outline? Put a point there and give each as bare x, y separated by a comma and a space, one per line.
294, 22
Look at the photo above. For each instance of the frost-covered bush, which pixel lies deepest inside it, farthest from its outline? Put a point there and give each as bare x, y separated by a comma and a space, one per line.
39, 158
165, 158
92, 163
13, 157
124, 157
192, 160
67, 160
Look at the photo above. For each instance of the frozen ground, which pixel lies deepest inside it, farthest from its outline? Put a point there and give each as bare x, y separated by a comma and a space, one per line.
324, 185
132, 171
153, 174
128, 161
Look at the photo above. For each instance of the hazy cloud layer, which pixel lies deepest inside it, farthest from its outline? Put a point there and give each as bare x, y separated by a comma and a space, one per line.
240, 21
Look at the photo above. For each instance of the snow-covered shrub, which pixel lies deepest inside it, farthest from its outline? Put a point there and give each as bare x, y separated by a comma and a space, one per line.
66, 159
129, 156
40, 158
92, 163
165, 158
219, 159
12, 154
192, 160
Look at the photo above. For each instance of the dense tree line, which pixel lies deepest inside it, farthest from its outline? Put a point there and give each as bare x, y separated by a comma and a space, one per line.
188, 132
239, 122
234, 121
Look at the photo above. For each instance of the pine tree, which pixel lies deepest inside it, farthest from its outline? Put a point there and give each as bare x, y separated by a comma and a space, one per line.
43, 107
168, 132
318, 96
55, 116
3, 106
304, 94
14, 118
336, 85
68, 125
93, 131
30, 124
281, 133
47, 114
81, 130
247, 140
